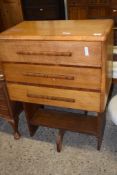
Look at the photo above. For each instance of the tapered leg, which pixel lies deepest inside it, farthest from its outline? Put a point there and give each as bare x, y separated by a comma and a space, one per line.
99, 142
15, 129
59, 140
30, 110
101, 120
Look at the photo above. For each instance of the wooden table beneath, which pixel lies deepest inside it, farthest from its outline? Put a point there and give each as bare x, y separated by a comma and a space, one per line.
64, 64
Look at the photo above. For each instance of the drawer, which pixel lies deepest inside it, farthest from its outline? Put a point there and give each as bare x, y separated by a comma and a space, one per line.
72, 77
52, 52
42, 13
56, 97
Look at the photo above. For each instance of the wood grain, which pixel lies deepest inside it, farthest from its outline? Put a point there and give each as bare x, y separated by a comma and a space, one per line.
79, 99
69, 30
11, 13
74, 77
59, 52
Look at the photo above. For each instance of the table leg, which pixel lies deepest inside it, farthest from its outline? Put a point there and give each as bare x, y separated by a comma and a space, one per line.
59, 139
15, 128
29, 110
101, 120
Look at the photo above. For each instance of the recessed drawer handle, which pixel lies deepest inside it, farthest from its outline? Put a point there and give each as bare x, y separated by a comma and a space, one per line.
69, 77
68, 54
51, 98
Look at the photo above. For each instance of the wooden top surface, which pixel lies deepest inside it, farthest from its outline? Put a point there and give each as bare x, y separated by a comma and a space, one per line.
85, 30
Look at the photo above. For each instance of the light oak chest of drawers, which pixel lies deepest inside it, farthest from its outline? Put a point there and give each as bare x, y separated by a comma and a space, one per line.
59, 63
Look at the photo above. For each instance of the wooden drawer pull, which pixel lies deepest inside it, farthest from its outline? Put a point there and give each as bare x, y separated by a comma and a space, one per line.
67, 54
69, 77
51, 98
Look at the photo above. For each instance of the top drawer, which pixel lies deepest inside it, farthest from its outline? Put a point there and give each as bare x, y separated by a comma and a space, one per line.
52, 52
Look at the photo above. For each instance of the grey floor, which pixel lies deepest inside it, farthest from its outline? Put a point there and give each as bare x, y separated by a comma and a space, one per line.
38, 156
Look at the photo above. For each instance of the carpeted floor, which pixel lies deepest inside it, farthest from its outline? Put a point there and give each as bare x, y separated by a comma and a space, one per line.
38, 156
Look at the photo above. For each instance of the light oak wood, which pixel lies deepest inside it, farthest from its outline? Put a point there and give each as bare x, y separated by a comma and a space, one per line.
63, 64
64, 77
52, 52
56, 97
107, 70
72, 30
24, 45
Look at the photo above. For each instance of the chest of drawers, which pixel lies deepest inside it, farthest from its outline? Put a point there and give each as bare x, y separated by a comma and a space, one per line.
60, 63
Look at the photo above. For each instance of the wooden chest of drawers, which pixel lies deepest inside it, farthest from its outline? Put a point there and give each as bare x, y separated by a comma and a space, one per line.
59, 63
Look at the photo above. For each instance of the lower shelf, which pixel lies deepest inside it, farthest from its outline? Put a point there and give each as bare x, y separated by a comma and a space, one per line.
65, 120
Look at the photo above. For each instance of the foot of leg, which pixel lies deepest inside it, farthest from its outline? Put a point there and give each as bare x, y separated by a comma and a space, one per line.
17, 135
99, 142
15, 129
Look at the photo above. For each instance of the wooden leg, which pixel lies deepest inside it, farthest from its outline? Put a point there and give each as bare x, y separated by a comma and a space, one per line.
29, 110
32, 130
15, 129
85, 113
99, 142
59, 140
101, 120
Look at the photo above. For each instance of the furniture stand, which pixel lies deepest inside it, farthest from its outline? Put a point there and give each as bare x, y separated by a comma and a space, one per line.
64, 121
65, 64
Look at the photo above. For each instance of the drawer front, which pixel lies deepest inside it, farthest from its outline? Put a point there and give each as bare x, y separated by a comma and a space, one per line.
56, 97
72, 77
52, 52
42, 13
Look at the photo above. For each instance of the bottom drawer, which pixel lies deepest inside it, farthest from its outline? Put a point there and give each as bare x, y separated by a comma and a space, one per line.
55, 97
